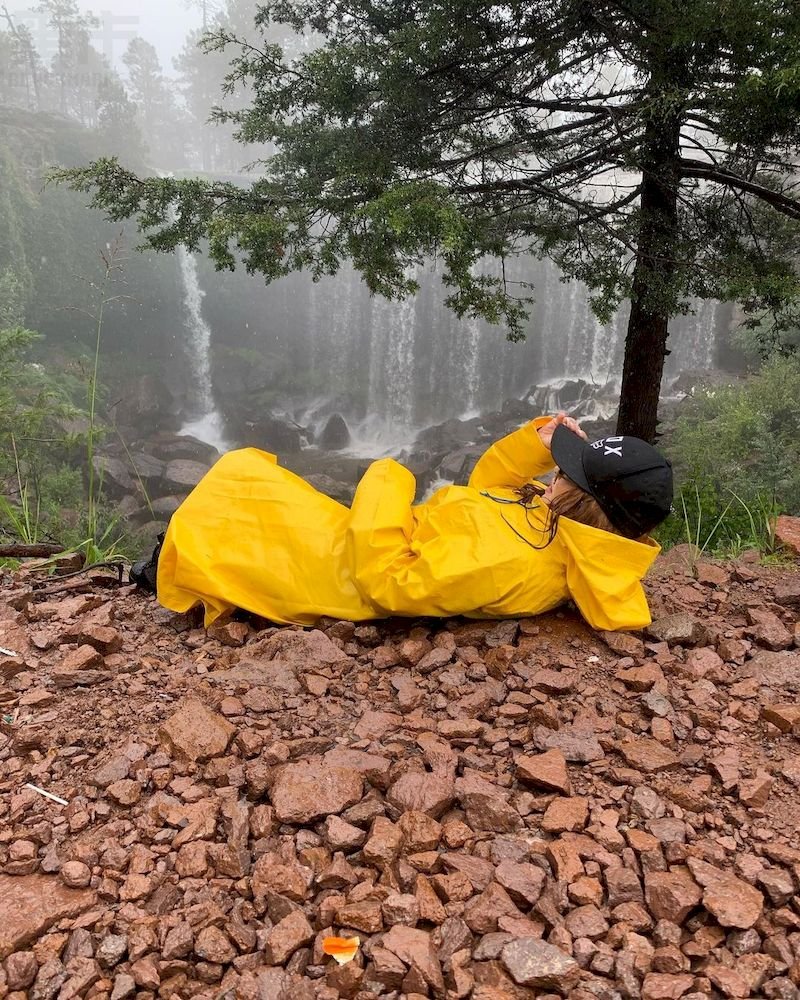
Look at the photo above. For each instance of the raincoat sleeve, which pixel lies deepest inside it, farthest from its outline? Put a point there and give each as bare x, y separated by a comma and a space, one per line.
607, 588
513, 460
442, 568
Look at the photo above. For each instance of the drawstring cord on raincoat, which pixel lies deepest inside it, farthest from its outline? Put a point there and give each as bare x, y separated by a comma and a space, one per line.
527, 500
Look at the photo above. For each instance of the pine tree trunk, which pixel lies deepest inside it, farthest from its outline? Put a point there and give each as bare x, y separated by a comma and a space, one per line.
652, 295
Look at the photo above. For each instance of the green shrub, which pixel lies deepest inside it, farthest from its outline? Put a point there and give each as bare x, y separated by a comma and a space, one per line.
736, 452
717, 522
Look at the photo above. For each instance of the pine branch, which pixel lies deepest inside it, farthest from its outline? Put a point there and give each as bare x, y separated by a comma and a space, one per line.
787, 206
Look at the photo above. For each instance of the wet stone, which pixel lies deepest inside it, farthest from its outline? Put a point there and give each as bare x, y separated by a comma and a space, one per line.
196, 733
547, 771
304, 792
540, 965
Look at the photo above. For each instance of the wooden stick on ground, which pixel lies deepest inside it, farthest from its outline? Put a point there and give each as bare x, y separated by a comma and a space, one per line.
39, 551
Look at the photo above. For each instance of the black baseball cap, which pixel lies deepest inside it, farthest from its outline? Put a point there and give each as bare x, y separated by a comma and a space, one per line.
630, 479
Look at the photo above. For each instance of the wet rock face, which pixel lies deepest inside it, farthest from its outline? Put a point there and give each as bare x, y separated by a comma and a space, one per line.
182, 475
270, 433
496, 809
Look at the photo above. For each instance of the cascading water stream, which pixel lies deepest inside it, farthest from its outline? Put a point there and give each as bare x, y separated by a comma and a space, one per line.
207, 424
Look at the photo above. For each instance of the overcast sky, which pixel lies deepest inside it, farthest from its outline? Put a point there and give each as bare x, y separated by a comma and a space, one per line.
164, 23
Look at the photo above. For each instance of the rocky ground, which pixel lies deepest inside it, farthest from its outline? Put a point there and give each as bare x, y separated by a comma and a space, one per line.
497, 810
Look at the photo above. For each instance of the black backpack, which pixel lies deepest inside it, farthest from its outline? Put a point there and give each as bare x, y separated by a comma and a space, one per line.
144, 572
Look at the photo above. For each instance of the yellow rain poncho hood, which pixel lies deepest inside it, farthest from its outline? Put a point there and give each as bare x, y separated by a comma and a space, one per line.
255, 536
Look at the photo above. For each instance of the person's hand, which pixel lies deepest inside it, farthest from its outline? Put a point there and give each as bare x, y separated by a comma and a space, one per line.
546, 431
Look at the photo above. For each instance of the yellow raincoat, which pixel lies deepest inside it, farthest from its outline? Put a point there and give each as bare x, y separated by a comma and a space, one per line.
255, 536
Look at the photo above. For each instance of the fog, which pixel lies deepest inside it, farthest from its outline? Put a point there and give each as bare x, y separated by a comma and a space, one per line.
163, 24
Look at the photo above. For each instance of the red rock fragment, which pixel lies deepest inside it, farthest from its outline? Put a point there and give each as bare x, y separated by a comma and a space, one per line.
671, 895
566, 815
415, 948
785, 717
666, 985
539, 965
289, 934
196, 733
482, 912
754, 793
623, 643
432, 794
648, 755
304, 792
486, 806
787, 532
547, 771
733, 902
523, 881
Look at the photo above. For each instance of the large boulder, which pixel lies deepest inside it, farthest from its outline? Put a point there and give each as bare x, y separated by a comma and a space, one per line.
343, 492
274, 434
165, 507
457, 466
444, 437
173, 446
148, 468
183, 475
335, 434
114, 475
145, 404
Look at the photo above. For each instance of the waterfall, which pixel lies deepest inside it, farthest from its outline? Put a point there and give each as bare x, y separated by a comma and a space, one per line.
391, 368
207, 422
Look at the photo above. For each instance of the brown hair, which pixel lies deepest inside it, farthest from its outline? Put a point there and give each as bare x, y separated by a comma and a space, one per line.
578, 505
571, 502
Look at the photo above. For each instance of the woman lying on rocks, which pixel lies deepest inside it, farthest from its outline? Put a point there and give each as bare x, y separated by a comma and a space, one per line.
255, 536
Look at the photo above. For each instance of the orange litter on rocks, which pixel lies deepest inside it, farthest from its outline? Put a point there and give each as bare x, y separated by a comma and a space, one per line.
342, 950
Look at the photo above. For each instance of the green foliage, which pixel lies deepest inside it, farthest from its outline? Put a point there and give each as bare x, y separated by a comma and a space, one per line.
718, 522
647, 149
24, 516
736, 452
39, 496
31, 400
12, 299
763, 338
32, 406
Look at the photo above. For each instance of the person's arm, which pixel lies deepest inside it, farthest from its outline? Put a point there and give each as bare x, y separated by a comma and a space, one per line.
447, 567
513, 460
520, 456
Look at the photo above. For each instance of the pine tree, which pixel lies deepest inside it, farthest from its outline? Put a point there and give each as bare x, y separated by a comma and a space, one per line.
160, 119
